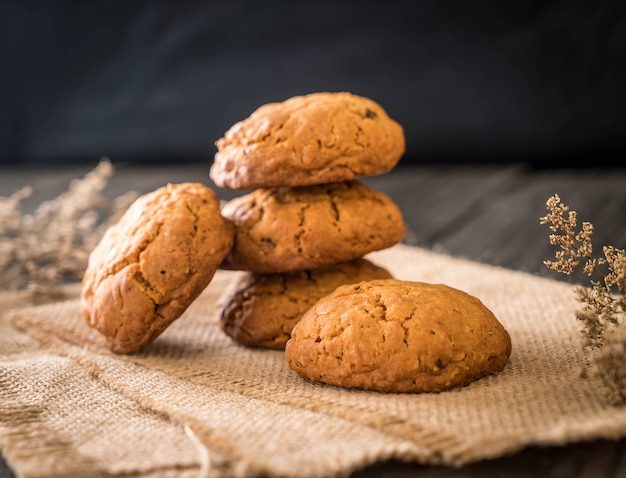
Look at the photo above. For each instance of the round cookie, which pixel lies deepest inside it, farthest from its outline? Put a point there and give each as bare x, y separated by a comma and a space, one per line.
312, 139
259, 310
289, 229
398, 336
150, 265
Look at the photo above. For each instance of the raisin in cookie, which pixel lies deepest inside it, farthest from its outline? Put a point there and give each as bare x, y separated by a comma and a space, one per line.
398, 336
289, 229
153, 263
259, 310
313, 139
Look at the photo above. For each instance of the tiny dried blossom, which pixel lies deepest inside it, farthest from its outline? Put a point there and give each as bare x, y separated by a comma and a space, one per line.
52, 245
610, 365
599, 310
616, 260
604, 303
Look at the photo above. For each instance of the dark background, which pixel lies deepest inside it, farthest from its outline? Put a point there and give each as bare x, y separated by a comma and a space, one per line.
538, 81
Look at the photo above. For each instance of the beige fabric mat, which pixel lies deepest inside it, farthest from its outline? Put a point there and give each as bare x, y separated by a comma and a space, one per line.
196, 404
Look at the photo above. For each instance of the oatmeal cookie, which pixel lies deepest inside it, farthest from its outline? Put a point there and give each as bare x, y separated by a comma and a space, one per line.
398, 336
289, 229
259, 310
312, 139
153, 263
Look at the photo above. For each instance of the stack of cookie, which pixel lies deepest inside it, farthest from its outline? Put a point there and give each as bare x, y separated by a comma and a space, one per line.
308, 223
299, 239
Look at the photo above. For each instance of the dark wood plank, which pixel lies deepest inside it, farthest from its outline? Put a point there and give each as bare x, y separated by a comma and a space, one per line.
505, 228
434, 199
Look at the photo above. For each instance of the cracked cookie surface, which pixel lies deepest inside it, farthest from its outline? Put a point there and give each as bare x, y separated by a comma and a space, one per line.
311, 139
398, 336
150, 265
259, 310
289, 229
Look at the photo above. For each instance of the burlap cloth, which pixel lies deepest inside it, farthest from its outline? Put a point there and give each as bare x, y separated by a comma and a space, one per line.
196, 404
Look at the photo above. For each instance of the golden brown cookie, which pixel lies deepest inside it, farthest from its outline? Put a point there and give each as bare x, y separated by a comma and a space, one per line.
259, 310
313, 139
398, 336
153, 263
289, 229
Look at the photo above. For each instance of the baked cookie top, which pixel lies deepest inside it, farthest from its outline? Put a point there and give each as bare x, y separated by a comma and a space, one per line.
153, 263
398, 336
289, 229
312, 139
259, 310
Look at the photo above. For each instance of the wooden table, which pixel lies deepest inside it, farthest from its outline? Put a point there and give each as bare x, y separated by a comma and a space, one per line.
485, 212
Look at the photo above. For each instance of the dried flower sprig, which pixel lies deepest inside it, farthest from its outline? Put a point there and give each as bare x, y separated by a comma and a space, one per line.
52, 245
604, 303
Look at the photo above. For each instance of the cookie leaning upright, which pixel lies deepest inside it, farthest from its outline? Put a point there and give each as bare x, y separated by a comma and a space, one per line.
312, 139
150, 266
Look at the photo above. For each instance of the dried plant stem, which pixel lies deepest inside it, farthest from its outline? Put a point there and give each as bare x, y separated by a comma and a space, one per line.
52, 245
604, 302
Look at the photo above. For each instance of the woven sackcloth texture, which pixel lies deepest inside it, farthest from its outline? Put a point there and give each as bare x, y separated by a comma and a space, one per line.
194, 403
